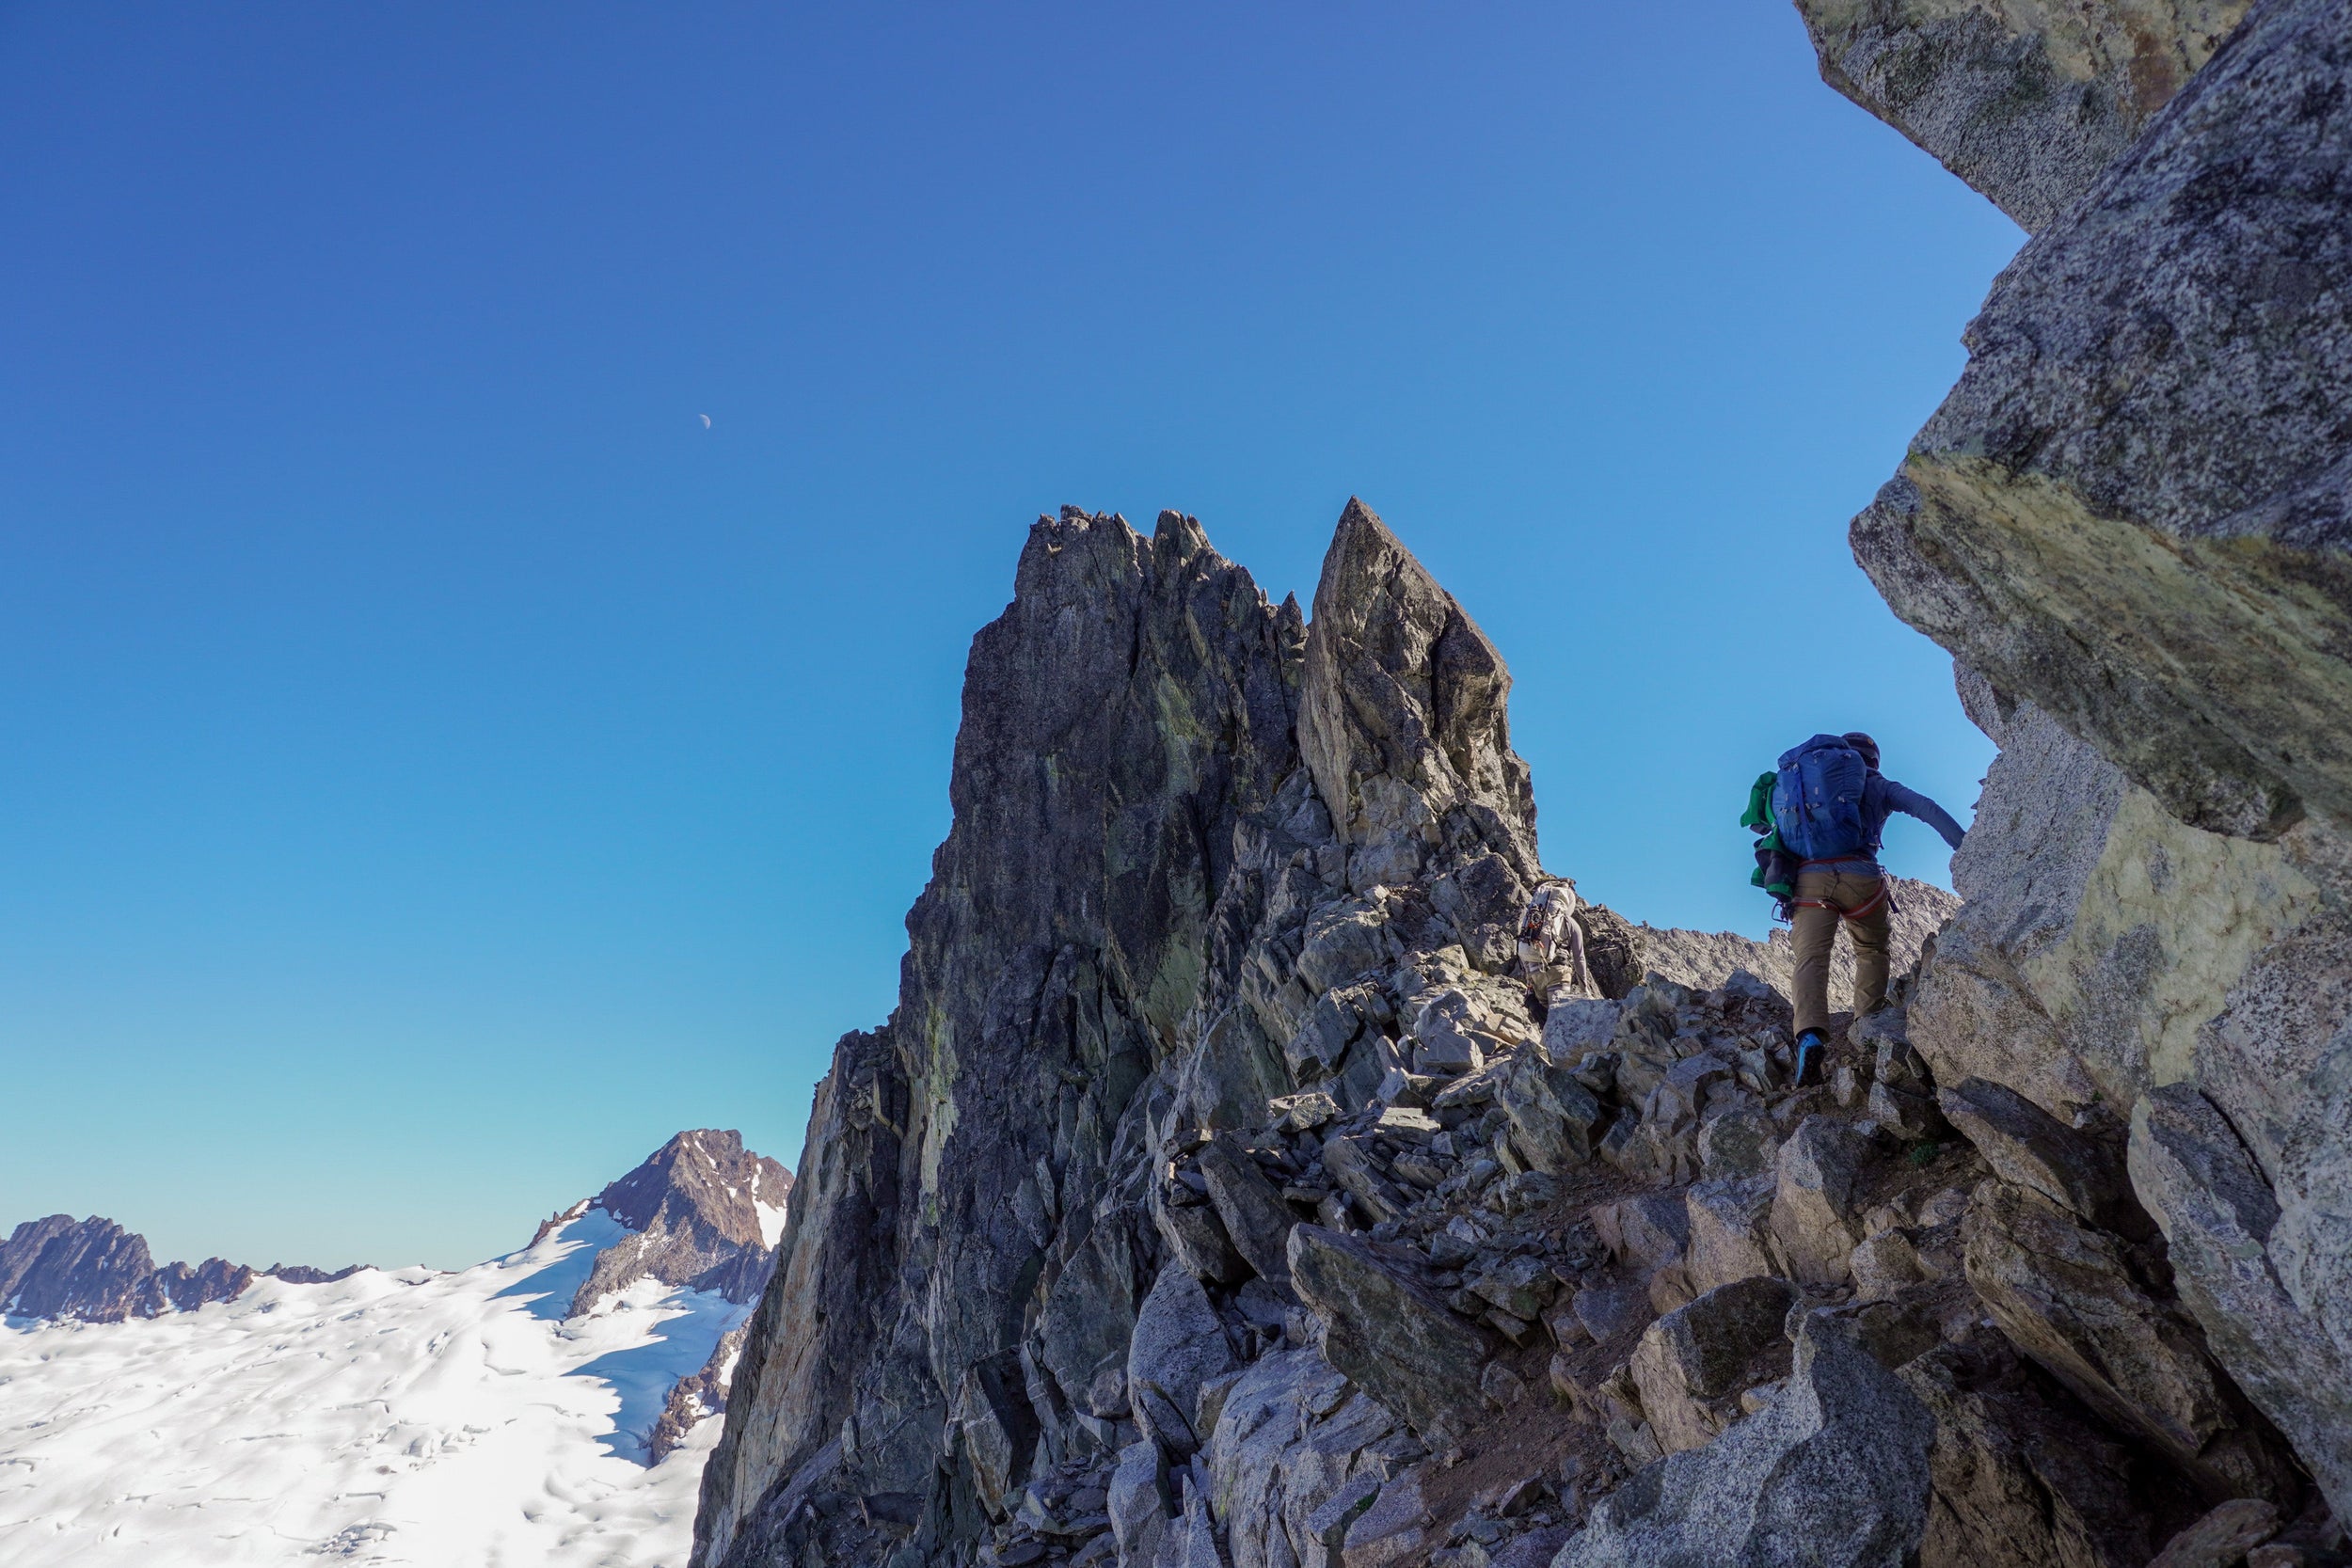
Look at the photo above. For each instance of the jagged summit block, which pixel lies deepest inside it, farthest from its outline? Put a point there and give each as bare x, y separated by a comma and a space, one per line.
1403, 716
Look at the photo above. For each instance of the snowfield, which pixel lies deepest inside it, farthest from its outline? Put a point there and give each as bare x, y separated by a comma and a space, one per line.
445, 1421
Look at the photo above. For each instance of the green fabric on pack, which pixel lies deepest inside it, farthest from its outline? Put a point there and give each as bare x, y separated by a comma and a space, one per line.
1769, 851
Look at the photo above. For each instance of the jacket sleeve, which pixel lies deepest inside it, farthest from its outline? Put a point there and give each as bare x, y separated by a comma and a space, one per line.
1911, 803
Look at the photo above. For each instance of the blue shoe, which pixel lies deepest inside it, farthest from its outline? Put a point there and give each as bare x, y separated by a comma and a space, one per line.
1809, 1048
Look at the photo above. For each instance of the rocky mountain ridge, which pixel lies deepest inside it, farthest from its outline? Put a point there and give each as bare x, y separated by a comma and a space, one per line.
704, 1215
1214, 1199
95, 1271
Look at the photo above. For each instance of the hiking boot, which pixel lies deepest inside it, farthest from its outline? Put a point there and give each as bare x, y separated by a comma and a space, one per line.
1811, 1047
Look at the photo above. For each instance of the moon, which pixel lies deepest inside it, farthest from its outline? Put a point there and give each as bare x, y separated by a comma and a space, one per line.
705, 420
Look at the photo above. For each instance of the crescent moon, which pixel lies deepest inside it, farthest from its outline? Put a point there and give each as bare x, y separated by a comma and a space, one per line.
705, 420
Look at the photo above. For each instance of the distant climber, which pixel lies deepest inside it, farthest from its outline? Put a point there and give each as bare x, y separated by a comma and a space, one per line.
1551, 948
1829, 807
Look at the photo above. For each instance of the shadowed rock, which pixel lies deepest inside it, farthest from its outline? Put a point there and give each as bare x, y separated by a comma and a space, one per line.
1387, 1332
2065, 1294
2218, 1217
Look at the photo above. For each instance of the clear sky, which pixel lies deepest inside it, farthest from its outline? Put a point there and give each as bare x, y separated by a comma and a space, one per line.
439, 764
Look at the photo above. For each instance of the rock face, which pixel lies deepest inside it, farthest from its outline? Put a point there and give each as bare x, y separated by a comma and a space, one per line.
696, 1205
2131, 509
95, 1271
969, 1247
2025, 102
2129, 522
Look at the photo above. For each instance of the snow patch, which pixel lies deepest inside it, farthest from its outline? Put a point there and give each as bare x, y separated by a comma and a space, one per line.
455, 1420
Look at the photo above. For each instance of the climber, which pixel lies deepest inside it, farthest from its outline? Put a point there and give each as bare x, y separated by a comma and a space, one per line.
1548, 926
1830, 805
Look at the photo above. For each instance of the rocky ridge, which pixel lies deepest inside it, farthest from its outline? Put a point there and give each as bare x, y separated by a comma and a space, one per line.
1350, 1257
1220, 1202
95, 1271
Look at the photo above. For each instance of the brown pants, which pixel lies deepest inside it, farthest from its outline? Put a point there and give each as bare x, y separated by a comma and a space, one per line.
1815, 929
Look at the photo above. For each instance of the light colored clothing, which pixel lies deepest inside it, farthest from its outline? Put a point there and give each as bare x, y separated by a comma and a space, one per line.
1552, 946
1824, 893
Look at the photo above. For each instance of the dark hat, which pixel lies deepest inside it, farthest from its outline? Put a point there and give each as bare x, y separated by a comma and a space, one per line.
1863, 744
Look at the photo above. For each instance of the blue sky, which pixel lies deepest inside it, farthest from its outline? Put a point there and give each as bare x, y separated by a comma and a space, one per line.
437, 766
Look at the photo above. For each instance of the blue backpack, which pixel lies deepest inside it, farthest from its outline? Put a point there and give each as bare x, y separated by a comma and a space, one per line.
1817, 799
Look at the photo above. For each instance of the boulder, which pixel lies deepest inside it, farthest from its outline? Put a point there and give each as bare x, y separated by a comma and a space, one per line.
1612, 1307
1141, 1499
2222, 1537
997, 1425
1519, 1286
1346, 1158
1684, 1091
1892, 1331
1288, 1435
1834, 1473
1179, 1344
1196, 1237
1328, 1523
1817, 1179
1578, 1025
1646, 1232
1730, 1231
1739, 1142
1692, 1358
1387, 1332
1304, 1112
1322, 1043
1392, 1528
2027, 1146
1190, 1540
2066, 1296
1250, 1207
1552, 1116
1344, 941
1884, 1264
1447, 1037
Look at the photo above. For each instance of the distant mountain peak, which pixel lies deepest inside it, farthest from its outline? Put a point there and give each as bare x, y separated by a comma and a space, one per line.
95, 1271
707, 1210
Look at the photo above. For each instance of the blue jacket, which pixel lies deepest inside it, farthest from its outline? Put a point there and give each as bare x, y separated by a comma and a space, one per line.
1882, 797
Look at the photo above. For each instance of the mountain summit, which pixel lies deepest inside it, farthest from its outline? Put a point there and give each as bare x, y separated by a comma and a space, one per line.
706, 1213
